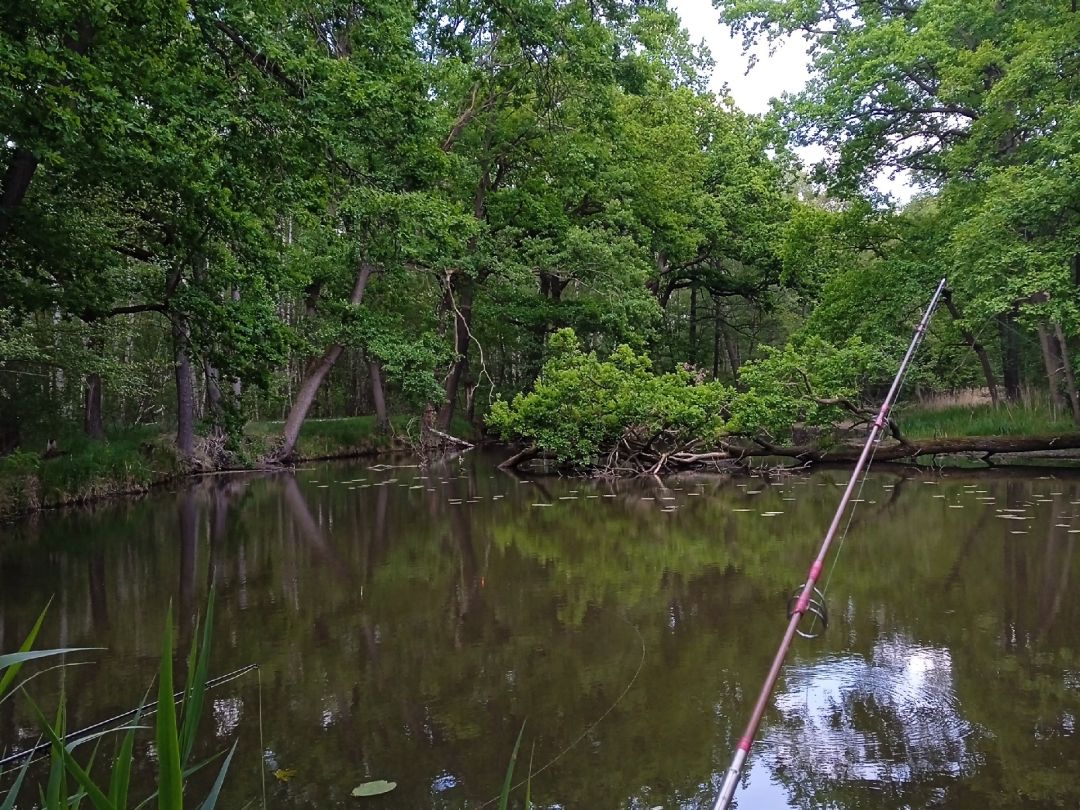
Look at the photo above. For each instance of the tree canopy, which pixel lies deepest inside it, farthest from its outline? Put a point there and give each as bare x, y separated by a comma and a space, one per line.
218, 212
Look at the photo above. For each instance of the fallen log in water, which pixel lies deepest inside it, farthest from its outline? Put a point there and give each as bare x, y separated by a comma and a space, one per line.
730, 454
913, 448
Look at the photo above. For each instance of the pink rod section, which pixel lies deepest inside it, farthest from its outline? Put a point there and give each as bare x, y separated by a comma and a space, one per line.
731, 777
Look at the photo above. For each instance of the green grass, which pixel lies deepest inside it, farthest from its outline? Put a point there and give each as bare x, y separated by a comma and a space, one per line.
327, 438
131, 461
349, 436
136, 459
983, 420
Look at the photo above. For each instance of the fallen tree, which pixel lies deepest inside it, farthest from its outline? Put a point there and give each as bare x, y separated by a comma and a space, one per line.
728, 455
615, 416
910, 449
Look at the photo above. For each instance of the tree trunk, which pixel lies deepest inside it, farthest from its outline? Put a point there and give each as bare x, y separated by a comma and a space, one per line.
237, 385
978, 348
895, 451
1052, 364
185, 394
92, 422
716, 339
692, 353
309, 388
16, 182
463, 304
1070, 375
1010, 356
213, 400
378, 396
732, 349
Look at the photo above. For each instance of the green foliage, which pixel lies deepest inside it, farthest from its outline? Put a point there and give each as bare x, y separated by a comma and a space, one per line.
807, 382
582, 406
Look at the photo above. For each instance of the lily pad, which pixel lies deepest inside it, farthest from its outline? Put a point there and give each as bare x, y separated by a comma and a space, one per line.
376, 788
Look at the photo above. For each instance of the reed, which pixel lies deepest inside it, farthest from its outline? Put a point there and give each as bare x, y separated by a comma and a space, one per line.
175, 732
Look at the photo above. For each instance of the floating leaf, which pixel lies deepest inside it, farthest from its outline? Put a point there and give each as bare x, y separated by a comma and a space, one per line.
376, 788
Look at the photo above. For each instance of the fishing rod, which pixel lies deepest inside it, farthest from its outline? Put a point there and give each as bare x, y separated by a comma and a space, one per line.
810, 599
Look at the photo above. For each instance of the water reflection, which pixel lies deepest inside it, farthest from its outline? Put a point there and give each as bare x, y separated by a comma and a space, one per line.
407, 622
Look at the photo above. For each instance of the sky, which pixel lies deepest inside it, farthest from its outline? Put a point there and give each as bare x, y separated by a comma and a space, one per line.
786, 69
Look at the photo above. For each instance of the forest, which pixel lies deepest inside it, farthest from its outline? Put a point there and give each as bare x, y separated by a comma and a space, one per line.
221, 221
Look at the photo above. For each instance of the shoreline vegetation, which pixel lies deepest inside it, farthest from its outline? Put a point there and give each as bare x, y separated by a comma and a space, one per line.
133, 462
536, 218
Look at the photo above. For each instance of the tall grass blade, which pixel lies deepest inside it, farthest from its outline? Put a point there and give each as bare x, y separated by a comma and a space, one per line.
187, 773
170, 774
13, 662
120, 778
211, 799
76, 801
55, 798
56, 787
504, 797
28, 643
528, 779
13, 791
195, 688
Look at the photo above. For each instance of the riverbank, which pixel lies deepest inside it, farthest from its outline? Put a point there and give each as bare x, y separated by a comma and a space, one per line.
134, 461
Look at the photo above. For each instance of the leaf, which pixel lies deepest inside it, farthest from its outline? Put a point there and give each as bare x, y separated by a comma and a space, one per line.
120, 778
504, 797
376, 788
170, 775
13, 791
215, 791
97, 798
195, 689
13, 668
12, 661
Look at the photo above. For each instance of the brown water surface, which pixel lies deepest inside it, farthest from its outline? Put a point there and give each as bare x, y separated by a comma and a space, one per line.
407, 622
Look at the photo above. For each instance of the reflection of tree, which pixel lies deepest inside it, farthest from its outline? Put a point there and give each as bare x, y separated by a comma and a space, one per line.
405, 637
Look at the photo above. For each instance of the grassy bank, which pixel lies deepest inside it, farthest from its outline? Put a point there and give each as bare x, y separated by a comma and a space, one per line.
958, 421
135, 460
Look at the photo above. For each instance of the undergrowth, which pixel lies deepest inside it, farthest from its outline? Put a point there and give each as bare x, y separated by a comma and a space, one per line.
136, 459
984, 420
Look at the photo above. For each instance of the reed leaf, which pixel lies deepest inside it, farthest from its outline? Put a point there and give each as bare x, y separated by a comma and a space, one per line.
170, 773
211, 799
13, 791
120, 778
64, 762
504, 797
75, 802
14, 667
55, 786
528, 779
195, 688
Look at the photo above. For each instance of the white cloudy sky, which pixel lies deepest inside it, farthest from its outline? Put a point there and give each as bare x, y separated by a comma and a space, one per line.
783, 70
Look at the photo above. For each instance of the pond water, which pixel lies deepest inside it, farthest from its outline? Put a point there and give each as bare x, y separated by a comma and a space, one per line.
408, 622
